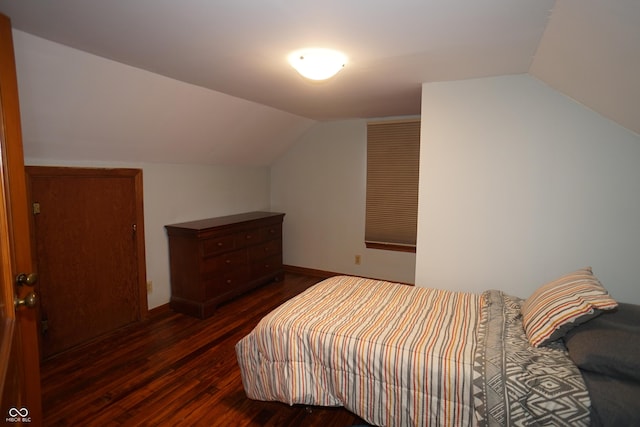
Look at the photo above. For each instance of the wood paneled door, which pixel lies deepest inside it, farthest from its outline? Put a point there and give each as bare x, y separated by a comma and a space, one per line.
88, 236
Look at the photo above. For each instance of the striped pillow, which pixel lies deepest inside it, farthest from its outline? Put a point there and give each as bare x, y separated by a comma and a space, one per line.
560, 305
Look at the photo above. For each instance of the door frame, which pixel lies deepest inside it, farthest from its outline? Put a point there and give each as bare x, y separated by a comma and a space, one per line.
97, 172
136, 175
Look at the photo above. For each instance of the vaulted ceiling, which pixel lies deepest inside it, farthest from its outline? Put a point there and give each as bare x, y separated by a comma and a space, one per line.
587, 49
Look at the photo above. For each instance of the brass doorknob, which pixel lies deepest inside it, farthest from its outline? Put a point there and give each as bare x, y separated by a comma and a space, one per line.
27, 279
28, 301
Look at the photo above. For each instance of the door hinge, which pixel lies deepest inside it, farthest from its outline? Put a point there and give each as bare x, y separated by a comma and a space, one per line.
44, 323
36, 208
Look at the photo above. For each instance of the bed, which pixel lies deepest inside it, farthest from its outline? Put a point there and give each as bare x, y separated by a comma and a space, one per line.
399, 355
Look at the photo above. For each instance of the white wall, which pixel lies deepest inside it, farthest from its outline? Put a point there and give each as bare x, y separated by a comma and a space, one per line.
320, 183
520, 184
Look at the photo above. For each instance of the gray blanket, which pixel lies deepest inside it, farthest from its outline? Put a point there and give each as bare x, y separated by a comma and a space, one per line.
517, 384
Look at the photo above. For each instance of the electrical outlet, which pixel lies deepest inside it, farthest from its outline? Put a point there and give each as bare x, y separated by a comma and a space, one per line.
358, 259
149, 286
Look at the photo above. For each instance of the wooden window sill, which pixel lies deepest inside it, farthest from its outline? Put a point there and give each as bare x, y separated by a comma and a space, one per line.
391, 247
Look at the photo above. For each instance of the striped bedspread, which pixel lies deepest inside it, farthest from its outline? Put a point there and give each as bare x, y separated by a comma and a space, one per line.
395, 355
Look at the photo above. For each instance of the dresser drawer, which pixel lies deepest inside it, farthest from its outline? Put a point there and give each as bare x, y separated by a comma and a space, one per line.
250, 237
266, 249
266, 266
273, 231
218, 245
224, 262
225, 283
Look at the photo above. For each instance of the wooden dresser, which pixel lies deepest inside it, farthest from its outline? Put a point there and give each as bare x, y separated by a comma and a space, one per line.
212, 260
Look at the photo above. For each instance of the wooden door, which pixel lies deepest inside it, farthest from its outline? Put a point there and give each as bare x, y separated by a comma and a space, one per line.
89, 245
19, 355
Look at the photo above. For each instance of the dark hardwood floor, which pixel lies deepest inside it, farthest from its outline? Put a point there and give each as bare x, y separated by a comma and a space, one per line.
174, 370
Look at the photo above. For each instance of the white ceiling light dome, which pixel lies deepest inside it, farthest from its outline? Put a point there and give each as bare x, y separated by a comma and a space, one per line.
317, 63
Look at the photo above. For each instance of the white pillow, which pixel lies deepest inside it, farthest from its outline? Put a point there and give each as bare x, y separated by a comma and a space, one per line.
562, 304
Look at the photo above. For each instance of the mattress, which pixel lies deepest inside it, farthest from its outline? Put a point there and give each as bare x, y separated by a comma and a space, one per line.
396, 355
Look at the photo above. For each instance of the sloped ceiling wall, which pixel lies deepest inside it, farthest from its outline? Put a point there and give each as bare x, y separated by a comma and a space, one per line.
590, 51
81, 107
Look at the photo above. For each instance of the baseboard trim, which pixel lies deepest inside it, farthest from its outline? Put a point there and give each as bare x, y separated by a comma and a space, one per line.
155, 311
323, 274
310, 271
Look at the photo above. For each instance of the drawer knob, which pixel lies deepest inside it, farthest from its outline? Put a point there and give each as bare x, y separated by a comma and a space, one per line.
228, 261
229, 281
220, 244
249, 236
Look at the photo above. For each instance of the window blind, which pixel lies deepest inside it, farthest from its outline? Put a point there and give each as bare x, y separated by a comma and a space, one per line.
393, 160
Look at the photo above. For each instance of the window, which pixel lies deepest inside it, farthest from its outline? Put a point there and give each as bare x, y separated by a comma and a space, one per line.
393, 160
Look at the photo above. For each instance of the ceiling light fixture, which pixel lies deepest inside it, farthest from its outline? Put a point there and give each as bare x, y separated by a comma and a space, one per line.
317, 64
